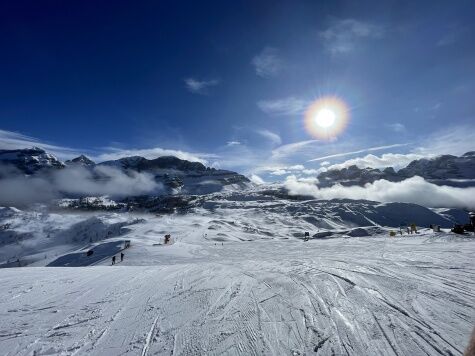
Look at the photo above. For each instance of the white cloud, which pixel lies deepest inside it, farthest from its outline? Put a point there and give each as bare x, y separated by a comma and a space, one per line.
17, 189
395, 160
290, 149
267, 63
271, 136
311, 172
280, 170
413, 190
152, 153
325, 163
397, 127
232, 143
370, 149
342, 36
449, 140
254, 178
200, 86
10, 140
283, 107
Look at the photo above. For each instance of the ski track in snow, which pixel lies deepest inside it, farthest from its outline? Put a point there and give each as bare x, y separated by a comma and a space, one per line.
356, 296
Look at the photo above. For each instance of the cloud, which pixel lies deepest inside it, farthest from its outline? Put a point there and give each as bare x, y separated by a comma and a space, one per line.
10, 140
152, 153
449, 140
397, 127
290, 149
280, 170
271, 136
200, 86
395, 160
254, 178
343, 36
325, 163
378, 148
413, 190
232, 143
267, 63
16, 189
283, 107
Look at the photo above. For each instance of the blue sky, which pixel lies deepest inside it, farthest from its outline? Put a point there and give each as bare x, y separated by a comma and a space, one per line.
227, 82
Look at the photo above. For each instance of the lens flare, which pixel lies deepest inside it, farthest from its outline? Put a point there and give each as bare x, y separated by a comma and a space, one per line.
326, 118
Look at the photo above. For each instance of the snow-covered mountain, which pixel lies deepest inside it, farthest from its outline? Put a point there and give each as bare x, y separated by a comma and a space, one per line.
81, 160
182, 175
174, 174
30, 160
442, 170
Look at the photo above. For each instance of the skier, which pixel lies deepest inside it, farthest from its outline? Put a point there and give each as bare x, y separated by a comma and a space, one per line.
121, 256
113, 260
472, 220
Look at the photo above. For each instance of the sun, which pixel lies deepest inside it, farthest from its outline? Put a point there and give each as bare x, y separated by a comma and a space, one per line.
326, 118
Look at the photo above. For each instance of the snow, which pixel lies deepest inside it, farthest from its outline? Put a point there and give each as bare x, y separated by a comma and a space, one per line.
360, 296
236, 279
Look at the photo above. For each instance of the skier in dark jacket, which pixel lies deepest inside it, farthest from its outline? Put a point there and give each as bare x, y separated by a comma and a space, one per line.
113, 260
121, 256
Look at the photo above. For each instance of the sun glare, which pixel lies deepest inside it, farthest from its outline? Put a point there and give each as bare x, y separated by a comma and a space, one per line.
326, 118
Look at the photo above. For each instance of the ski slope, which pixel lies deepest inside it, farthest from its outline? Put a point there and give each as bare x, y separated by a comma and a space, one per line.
411, 295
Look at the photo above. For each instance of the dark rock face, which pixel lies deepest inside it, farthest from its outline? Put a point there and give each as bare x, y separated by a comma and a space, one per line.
442, 170
140, 164
355, 176
442, 167
30, 160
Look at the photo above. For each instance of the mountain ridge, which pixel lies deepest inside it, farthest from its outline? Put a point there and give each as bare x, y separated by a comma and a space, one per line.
449, 170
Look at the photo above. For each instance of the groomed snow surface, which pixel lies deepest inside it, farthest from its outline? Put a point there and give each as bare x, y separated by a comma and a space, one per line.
215, 291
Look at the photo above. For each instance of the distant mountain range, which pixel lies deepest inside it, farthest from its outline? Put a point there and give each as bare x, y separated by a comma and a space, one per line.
175, 174
442, 170
185, 177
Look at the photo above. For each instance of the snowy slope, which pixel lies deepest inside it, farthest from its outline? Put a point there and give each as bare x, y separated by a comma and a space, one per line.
39, 236
364, 296
237, 278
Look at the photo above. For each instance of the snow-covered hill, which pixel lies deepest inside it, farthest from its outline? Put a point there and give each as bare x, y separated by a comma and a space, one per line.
442, 170
223, 287
38, 236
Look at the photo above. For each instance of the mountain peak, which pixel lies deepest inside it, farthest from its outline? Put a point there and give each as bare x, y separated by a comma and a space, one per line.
30, 160
82, 160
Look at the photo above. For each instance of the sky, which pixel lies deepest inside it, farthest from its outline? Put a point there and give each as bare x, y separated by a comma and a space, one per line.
228, 83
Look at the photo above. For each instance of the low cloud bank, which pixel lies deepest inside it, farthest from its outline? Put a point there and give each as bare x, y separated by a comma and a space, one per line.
16, 189
395, 160
413, 190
